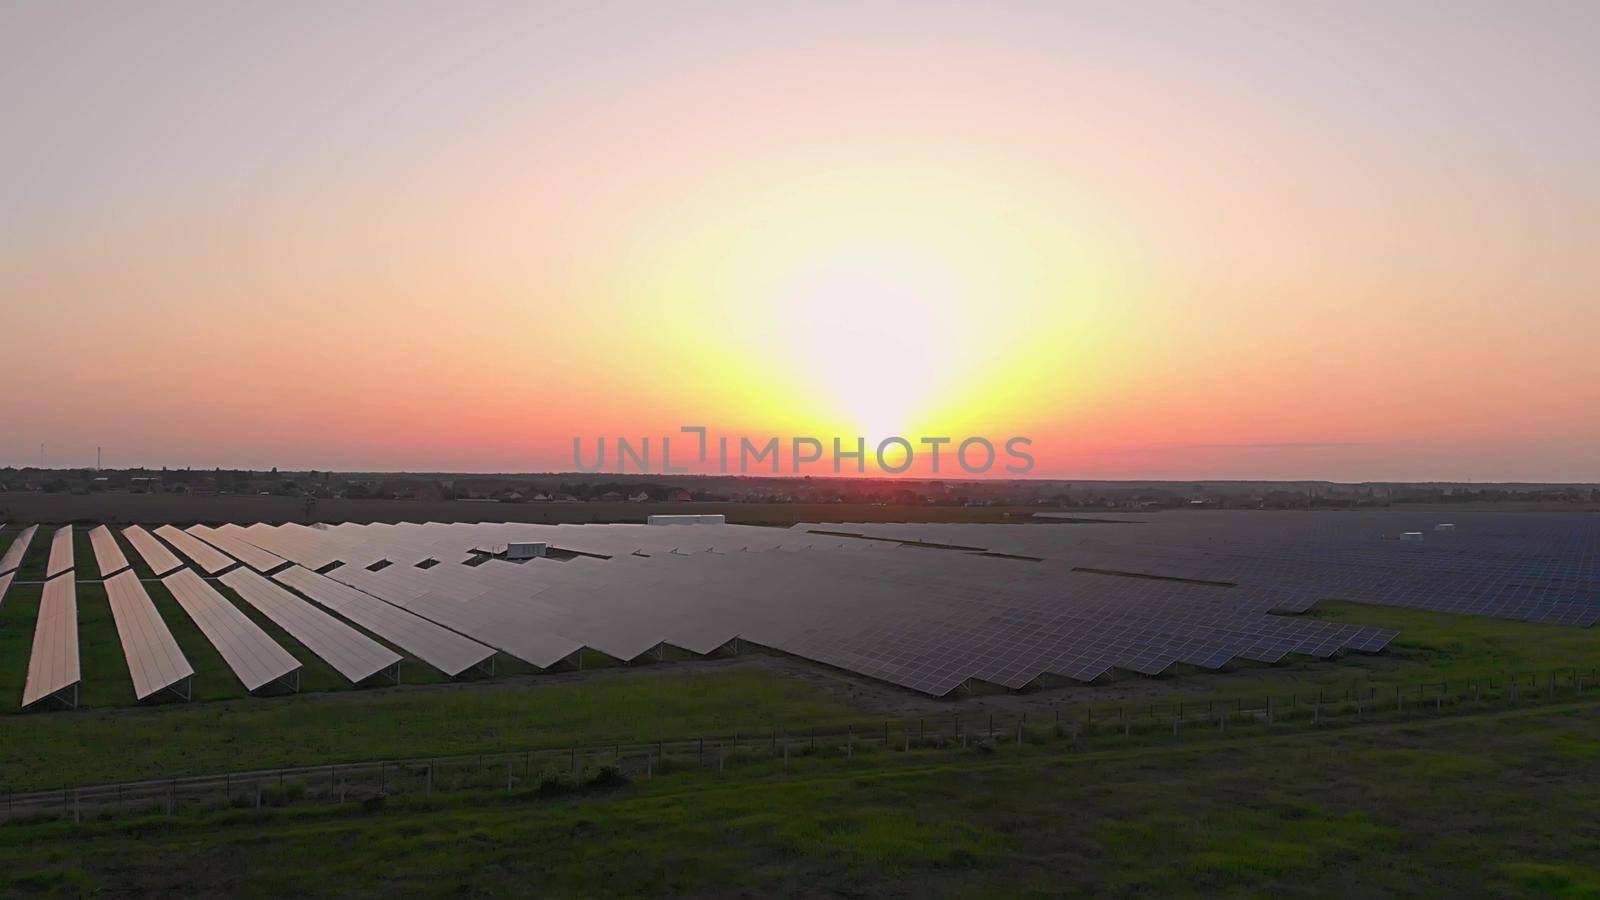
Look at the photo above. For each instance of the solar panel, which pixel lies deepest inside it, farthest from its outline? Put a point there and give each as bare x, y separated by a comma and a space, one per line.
927, 606
155, 662
254, 657
202, 554
229, 542
155, 554
53, 667
445, 650
107, 555
60, 552
18, 549
355, 656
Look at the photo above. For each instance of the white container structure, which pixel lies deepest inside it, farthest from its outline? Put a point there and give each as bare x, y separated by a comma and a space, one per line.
717, 519
526, 549
1411, 536
1446, 526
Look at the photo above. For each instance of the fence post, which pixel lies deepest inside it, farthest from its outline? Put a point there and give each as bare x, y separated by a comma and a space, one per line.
430, 779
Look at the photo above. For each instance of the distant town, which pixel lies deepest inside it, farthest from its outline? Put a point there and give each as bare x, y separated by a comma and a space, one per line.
601, 488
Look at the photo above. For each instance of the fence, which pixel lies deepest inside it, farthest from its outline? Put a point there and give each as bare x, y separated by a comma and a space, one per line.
1098, 726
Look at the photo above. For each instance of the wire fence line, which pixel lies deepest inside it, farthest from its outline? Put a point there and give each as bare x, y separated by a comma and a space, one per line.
557, 771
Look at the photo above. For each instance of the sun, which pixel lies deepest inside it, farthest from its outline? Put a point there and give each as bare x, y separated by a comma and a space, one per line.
873, 327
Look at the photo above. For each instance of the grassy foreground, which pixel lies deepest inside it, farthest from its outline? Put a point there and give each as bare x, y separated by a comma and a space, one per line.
1498, 804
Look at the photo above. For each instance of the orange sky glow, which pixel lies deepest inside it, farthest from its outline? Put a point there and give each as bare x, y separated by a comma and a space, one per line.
1163, 240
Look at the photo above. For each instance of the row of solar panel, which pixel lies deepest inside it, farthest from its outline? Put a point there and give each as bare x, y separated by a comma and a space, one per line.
930, 622
156, 663
1534, 567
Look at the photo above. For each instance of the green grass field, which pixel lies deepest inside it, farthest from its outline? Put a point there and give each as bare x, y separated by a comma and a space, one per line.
1494, 804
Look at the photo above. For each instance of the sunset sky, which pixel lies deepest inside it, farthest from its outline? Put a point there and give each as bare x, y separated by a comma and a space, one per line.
1164, 240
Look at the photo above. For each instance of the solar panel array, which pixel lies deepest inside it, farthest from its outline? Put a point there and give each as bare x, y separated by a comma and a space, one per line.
873, 599
253, 656
355, 656
1541, 567
927, 621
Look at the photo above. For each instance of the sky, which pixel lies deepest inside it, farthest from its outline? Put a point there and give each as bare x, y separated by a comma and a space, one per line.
1351, 241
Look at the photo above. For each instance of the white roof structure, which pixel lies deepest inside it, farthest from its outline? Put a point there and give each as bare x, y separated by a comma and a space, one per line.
60, 552
156, 555
53, 667
434, 644
248, 651
155, 662
203, 554
356, 656
230, 542
18, 549
107, 554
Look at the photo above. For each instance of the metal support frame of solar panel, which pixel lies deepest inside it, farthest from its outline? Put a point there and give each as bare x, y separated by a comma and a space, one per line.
12, 560
156, 664
351, 653
154, 553
61, 555
108, 556
208, 558
228, 542
254, 657
53, 672
445, 650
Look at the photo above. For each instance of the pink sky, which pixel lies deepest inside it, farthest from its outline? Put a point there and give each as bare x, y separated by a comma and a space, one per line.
1164, 240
